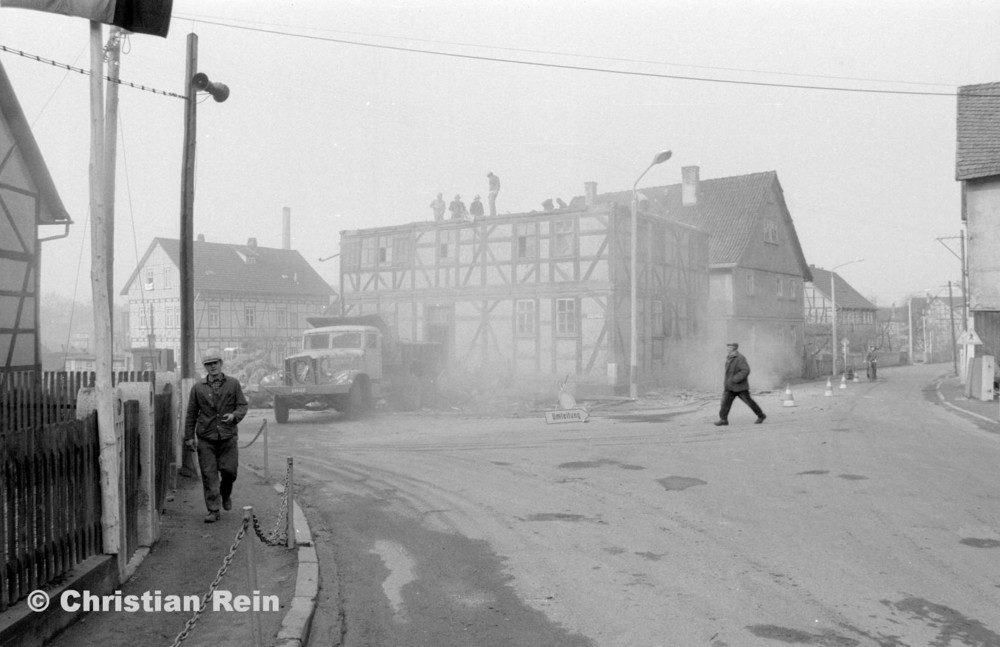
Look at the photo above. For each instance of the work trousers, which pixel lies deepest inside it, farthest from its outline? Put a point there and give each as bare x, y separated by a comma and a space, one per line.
727, 403
218, 460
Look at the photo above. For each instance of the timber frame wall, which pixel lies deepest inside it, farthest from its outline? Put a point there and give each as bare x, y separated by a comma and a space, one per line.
543, 294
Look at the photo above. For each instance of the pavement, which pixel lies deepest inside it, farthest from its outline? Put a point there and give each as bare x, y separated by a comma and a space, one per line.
188, 558
951, 393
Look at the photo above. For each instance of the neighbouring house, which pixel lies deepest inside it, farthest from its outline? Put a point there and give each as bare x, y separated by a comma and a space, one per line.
936, 324
28, 201
250, 302
757, 268
977, 167
540, 296
856, 322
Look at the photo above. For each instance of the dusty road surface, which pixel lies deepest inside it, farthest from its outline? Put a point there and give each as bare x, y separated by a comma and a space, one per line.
868, 518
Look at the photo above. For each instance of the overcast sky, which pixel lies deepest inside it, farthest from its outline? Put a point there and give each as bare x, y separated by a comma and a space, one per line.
356, 114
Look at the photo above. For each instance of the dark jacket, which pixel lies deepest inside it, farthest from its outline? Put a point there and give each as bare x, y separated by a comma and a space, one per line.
737, 372
204, 410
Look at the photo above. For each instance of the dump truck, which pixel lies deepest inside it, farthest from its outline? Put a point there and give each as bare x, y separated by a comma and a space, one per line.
350, 363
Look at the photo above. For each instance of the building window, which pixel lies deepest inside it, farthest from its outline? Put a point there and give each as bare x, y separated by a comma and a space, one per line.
525, 241
214, 317
350, 254
148, 283
563, 238
250, 316
524, 325
657, 318
566, 317
659, 243
781, 289
770, 232
143, 318
368, 251
168, 278
448, 244
281, 316
792, 292
400, 251
384, 250
750, 286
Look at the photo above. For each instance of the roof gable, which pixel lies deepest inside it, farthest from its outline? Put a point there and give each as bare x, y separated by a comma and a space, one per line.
51, 207
229, 268
847, 296
978, 148
731, 207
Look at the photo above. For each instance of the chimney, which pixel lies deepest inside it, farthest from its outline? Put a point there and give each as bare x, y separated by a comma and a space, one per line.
689, 186
590, 191
286, 228
201, 238
252, 243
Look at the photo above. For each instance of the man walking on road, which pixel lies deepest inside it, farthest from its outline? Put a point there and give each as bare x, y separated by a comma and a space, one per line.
214, 408
737, 385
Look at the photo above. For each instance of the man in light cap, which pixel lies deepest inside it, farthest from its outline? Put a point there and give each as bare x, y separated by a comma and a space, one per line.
737, 385
214, 409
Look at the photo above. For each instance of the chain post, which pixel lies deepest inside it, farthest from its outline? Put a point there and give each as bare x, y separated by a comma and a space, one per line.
255, 629
267, 472
289, 492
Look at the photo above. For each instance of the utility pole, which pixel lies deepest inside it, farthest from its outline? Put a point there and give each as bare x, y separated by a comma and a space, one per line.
187, 213
113, 54
99, 276
909, 324
193, 82
954, 341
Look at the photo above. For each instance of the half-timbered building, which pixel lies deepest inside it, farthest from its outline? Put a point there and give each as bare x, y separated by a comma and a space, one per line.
28, 201
538, 294
248, 299
756, 263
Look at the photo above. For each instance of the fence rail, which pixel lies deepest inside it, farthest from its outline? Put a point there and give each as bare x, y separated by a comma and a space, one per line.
50, 503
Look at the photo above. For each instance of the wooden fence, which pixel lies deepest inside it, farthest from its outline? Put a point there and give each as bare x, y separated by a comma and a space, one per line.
50, 503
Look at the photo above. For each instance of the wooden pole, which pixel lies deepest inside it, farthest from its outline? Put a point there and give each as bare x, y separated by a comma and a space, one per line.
954, 341
255, 628
187, 213
110, 517
110, 162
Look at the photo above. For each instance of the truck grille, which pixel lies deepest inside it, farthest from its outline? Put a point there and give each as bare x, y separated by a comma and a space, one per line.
301, 371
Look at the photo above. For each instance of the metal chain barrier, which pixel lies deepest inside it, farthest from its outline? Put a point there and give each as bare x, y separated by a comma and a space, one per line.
193, 620
263, 425
276, 537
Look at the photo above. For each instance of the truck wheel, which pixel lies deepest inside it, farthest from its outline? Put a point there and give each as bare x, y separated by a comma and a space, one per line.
280, 411
355, 403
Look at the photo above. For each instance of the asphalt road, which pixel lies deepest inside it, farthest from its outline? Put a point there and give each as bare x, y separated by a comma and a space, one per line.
867, 518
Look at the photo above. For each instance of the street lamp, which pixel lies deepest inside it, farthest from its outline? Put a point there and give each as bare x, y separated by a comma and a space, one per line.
633, 387
833, 302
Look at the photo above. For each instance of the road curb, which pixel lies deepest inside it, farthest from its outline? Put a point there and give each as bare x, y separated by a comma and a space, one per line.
944, 401
294, 630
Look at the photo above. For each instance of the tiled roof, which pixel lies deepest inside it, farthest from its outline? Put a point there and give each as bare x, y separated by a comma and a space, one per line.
847, 297
729, 205
978, 151
221, 266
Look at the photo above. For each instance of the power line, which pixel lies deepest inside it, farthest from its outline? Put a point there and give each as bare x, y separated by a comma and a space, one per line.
579, 68
80, 70
571, 54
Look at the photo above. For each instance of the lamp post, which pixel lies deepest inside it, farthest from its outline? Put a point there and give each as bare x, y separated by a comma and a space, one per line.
833, 303
194, 83
633, 386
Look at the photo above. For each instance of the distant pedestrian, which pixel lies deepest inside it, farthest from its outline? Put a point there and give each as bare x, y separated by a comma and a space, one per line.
494, 190
562, 205
476, 208
457, 208
215, 407
547, 205
871, 359
737, 385
438, 206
